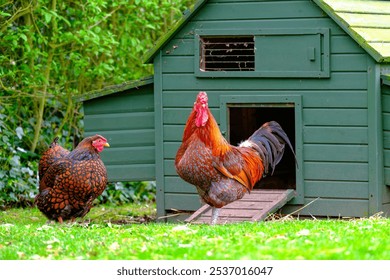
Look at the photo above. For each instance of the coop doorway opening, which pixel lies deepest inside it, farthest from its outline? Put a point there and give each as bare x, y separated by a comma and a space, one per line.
244, 120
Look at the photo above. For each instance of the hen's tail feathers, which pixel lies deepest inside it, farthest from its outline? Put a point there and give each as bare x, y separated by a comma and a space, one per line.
54, 143
269, 141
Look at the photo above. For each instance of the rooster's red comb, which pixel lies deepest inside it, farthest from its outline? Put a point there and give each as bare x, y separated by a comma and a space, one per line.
202, 97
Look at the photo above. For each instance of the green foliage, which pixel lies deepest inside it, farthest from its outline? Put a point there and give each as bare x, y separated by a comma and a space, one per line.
18, 178
52, 51
120, 193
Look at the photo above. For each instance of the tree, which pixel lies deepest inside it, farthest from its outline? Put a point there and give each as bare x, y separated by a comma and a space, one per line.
52, 50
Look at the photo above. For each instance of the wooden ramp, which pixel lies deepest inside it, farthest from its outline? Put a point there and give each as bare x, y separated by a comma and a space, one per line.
255, 206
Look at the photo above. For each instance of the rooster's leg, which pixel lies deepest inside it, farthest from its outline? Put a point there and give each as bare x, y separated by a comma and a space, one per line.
60, 220
214, 215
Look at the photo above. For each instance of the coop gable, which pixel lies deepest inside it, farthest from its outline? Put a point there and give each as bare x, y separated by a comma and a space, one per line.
367, 22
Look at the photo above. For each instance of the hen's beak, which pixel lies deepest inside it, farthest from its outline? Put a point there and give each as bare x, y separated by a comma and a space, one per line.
106, 145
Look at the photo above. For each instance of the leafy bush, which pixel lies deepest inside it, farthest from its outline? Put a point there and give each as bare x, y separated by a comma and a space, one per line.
18, 176
126, 192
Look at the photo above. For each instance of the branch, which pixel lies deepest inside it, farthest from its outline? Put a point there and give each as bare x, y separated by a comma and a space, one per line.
21, 12
106, 17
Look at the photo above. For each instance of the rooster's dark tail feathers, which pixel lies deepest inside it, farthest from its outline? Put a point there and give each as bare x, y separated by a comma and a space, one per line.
269, 141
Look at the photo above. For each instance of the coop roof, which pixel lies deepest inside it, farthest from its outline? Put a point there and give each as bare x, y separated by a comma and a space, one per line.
114, 89
366, 21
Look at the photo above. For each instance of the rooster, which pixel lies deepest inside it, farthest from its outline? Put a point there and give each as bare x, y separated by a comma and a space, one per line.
223, 173
70, 181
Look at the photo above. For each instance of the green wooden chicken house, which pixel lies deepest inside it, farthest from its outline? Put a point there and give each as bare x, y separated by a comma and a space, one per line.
321, 68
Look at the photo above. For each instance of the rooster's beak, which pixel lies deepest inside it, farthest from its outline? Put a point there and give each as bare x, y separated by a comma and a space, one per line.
106, 145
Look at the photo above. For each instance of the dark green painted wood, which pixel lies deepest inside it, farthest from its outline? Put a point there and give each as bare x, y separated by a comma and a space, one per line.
116, 89
169, 167
178, 47
385, 94
119, 121
386, 139
331, 208
159, 137
336, 189
174, 184
387, 176
180, 115
329, 171
386, 157
287, 55
139, 101
170, 149
386, 121
260, 24
338, 81
129, 155
335, 135
182, 201
336, 171
386, 207
173, 132
311, 152
335, 99
348, 62
264, 10
126, 119
311, 98
335, 117
324, 189
127, 138
130, 172
375, 148
386, 102
335, 153
342, 44
339, 62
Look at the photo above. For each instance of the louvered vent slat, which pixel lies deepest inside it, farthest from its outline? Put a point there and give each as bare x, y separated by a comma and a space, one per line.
227, 54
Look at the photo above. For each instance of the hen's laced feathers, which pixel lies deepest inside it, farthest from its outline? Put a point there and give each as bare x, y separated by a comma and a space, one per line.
51, 155
70, 181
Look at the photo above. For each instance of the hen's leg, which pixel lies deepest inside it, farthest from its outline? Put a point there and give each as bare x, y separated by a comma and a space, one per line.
60, 220
214, 215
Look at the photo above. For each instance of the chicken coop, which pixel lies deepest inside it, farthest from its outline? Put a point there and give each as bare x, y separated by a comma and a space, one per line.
318, 67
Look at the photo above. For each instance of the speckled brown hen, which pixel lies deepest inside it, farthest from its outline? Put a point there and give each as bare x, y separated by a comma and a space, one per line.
51, 155
71, 180
223, 173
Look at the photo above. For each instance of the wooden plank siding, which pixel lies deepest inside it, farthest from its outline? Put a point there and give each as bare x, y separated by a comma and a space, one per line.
334, 110
126, 119
385, 91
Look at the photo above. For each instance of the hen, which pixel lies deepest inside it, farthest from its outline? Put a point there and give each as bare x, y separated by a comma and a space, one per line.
223, 173
70, 181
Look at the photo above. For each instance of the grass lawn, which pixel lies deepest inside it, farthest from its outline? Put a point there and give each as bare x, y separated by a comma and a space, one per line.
126, 233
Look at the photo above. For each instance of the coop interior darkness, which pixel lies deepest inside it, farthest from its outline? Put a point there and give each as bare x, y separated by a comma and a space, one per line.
243, 121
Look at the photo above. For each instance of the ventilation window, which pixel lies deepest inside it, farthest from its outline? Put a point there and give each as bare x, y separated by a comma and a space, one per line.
227, 53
